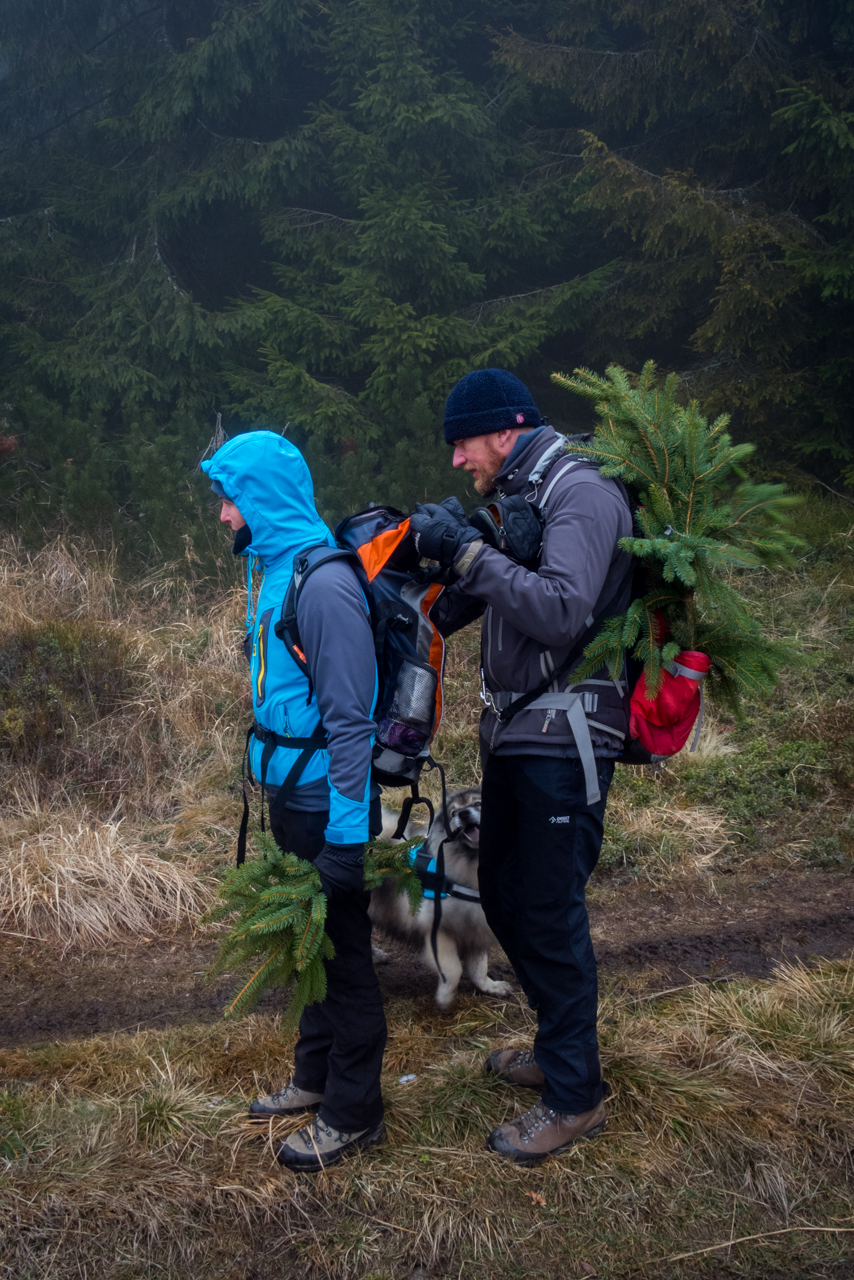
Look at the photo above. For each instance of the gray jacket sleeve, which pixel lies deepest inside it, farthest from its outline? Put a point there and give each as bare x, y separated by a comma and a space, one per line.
338, 642
585, 521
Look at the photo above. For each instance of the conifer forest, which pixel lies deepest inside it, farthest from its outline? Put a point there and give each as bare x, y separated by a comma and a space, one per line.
318, 216
315, 217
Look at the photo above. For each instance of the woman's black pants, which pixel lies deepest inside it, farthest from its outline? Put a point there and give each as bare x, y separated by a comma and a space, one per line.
341, 1040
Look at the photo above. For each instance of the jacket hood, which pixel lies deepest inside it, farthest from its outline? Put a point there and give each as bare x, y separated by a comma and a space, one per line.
268, 480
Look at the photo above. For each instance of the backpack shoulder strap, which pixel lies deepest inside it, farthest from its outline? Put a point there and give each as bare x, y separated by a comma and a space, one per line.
305, 564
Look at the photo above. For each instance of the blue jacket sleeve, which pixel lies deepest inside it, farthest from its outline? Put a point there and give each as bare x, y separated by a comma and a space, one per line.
338, 642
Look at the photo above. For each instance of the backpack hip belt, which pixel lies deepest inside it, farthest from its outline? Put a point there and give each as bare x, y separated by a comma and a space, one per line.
306, 747
573, 703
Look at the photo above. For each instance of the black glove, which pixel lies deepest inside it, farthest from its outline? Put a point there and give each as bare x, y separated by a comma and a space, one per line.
442, 531
341, 868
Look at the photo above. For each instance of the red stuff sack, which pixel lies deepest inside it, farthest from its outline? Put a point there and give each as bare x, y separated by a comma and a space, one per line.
664, 724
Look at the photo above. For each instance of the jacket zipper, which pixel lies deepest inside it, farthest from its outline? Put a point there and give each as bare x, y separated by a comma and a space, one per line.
490, 614
261, 650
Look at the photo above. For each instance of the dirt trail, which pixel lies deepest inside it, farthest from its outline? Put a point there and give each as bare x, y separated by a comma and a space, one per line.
644, 939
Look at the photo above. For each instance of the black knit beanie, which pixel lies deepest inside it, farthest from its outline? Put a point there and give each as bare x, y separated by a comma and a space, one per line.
488, 400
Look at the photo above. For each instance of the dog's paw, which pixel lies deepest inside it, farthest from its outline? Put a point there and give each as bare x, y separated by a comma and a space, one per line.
491, 988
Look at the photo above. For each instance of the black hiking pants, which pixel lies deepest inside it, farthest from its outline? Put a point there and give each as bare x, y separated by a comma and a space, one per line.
341, 1040
539, 842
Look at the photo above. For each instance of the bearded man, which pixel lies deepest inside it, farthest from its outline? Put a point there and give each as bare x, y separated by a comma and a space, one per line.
547, 765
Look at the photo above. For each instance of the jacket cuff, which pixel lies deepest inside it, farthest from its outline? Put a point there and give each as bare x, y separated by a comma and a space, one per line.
348, 819
468, 557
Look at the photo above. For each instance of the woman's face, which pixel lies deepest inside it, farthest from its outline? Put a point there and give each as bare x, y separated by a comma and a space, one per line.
231, 516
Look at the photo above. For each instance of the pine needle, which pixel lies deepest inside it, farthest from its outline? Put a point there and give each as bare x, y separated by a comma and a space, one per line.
279, 912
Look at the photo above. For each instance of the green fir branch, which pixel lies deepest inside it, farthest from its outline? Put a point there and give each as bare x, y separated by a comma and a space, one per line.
278, 913
701, 519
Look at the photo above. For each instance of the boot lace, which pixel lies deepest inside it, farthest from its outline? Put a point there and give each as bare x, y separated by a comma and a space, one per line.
313, 1134
284, 1094
535, 1120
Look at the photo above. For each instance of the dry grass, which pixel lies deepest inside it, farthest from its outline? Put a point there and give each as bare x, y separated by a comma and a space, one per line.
732, 1114
663, 840
92, 883
114, 835
127, 1156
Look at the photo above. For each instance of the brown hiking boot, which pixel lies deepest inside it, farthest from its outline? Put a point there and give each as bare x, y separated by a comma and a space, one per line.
542, 1132
318, 1145
516, 1066
289, 1101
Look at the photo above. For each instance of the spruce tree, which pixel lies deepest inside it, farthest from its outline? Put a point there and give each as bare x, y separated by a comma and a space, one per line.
713, 143
701, 521
411, 263
278, 911
311, 218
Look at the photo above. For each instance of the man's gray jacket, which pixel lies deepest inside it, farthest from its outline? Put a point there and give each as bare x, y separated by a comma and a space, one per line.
531, 619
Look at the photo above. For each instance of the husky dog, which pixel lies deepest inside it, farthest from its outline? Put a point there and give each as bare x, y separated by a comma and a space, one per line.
464, 938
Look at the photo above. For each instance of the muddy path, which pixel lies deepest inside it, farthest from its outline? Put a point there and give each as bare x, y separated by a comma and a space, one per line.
646, 939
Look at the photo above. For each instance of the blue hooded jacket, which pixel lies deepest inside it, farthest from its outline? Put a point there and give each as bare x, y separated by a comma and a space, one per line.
267, 479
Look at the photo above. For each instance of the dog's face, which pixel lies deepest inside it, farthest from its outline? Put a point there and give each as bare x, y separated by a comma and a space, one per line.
464, 816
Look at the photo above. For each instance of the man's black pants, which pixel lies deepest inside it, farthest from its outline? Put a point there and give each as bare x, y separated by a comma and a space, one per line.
539, 843
341, 1040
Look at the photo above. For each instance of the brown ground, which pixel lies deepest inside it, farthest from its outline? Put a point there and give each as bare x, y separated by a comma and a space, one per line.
646, 939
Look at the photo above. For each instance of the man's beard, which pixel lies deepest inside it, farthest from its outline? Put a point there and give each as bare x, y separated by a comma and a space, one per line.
485, 481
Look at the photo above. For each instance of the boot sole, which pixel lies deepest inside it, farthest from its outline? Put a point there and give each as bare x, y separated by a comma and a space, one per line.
264, 1117
315, 1165
528, 1161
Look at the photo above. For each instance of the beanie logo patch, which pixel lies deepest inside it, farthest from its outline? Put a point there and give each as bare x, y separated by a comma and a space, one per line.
520, 418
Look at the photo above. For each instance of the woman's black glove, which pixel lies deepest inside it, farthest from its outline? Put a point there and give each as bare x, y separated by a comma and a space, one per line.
442, 531
341, 868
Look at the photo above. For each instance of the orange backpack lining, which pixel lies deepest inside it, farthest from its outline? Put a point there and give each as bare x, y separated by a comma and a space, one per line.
374, 554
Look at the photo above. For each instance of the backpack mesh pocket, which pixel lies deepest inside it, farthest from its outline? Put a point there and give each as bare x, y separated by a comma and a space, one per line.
408, 724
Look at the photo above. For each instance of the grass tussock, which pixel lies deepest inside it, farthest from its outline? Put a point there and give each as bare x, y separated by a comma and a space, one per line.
732, 1115
90, 884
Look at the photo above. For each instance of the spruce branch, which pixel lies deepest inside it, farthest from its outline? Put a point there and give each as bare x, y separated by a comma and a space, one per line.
279, 913
699, 519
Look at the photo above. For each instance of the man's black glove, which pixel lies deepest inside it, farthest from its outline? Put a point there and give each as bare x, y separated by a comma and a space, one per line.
442, 531
341, 868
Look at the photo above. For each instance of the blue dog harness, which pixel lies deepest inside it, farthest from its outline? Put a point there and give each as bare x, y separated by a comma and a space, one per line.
425, 869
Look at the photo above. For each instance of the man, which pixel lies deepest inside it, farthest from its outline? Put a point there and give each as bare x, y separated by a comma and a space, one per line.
547, 769
268, 502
